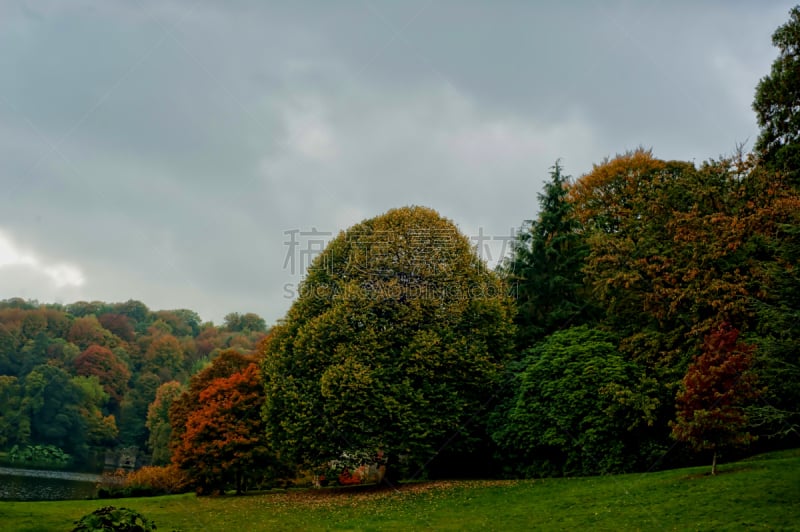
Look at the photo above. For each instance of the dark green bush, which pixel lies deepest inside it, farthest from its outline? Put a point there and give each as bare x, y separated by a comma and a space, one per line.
112, 519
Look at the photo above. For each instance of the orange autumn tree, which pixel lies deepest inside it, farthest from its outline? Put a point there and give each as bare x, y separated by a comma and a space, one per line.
224, 444
717, 385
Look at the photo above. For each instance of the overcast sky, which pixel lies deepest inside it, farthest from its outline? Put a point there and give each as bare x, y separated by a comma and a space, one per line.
167, 151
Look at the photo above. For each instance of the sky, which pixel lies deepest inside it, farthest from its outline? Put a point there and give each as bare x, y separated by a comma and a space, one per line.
198, 154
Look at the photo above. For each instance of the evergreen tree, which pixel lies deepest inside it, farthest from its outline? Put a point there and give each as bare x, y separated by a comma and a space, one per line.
777, 102
545, 268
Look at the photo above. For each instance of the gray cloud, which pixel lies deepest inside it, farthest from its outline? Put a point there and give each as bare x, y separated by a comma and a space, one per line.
167, 150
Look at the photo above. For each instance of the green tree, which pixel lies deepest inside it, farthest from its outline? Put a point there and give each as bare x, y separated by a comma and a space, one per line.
545, 267
10, 358
250, 322
164, 357
158, 424
133, 409
11, 413
53, 403
101, 430
574, 409
777, 102
398, 340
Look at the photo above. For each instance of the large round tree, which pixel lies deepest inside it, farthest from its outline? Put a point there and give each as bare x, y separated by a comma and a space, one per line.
394, 347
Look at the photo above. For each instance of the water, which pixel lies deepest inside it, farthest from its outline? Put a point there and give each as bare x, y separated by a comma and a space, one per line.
32, 485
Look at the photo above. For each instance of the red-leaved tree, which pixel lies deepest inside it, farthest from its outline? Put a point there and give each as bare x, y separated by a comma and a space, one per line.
717, 385
112, 372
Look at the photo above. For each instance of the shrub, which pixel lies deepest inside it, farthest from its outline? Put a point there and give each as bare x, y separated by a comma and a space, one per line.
144, 482
39, 456
114, 519
160, 480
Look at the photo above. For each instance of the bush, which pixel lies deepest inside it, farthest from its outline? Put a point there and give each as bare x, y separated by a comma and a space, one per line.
114, 519
144, 482
160, 480
39, 456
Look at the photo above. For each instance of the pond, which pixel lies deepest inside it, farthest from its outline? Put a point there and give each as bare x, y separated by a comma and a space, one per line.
32, 485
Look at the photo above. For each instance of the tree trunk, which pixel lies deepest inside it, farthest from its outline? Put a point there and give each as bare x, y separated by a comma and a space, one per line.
391, 475
714, 464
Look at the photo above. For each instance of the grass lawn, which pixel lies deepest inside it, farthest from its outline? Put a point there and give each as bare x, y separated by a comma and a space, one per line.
761, 493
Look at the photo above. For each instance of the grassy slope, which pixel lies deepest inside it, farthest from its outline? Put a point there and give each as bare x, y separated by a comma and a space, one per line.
760, 493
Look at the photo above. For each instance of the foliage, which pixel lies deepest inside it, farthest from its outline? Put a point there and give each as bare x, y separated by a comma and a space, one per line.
82, 376
717, 385
224, 444
245, 323
777, 102
675, 250
226, 364
159, 480
133, 410
544, 269
146, 481
52, 401
109, 518
86, 331
10, 412
118, 324
158, 425
164, 357
39, 456
107, 367
574, 407
398, 339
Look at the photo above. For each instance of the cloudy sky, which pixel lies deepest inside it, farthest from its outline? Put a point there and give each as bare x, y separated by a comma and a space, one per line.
168, 151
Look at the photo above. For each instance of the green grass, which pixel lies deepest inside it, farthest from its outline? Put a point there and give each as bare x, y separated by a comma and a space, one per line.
761, 493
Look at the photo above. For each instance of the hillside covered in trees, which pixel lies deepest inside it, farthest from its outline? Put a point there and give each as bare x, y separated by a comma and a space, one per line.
81, 377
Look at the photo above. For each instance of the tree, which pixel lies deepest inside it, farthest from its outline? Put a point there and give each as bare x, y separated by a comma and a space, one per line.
100, 430
112, 373
10, 359
224, 365
545, 268
225, 443
118, 324
777, 102
396, 343
717, 385
53, 403
11, 412
87, 331
574, 407
182, 322
250, 322
164, 357
158, 422
133, 410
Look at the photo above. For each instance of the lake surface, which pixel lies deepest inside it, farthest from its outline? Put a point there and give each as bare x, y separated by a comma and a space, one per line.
32, 485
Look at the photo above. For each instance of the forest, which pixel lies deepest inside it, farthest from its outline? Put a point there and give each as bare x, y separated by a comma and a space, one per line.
78, 379
647, 317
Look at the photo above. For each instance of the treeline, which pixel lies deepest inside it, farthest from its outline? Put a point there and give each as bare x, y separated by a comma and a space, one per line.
658, 307
82, 376
657, 303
